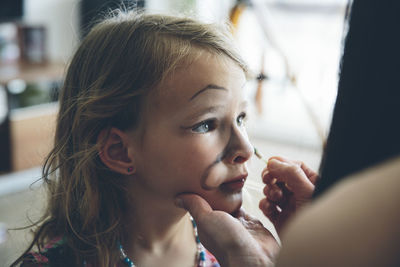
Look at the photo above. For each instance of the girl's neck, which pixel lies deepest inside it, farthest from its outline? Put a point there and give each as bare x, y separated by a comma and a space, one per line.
152, 226
156, 228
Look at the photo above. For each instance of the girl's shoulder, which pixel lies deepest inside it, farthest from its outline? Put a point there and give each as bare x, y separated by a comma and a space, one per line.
55, 253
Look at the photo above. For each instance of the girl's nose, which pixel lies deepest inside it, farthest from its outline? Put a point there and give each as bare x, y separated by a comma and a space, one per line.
239, 146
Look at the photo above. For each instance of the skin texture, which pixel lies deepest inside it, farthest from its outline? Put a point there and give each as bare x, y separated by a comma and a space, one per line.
289, 185
193, 138
357, 220
353, 224
238, 240
190, 139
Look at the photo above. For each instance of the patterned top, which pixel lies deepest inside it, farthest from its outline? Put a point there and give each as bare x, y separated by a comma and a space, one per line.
57, 254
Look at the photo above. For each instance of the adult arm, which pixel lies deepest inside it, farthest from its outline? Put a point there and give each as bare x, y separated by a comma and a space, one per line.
354, 224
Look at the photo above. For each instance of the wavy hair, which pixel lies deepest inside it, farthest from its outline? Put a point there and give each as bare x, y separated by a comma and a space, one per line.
117, 64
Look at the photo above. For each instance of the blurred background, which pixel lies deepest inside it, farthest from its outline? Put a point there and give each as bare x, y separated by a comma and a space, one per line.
293, 48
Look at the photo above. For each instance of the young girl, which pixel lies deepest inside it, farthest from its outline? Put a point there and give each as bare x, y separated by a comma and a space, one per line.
152, 106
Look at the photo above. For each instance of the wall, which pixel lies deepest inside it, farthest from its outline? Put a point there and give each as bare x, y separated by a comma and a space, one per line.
61, 18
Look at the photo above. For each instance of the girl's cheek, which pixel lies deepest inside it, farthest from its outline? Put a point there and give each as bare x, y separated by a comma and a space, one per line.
213, 178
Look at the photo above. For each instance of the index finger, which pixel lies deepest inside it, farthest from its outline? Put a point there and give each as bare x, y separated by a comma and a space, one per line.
194, 204
310, 173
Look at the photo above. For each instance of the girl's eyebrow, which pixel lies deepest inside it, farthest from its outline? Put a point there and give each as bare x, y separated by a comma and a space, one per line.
210, 86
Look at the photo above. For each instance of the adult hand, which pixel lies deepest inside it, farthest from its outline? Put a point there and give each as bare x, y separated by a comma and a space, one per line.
289, 185
234, 241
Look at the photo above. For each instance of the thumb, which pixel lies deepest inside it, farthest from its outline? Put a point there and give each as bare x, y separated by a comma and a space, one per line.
212, 226
194, 204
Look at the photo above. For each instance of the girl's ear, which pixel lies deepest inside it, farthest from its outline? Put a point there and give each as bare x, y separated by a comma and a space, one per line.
113, 151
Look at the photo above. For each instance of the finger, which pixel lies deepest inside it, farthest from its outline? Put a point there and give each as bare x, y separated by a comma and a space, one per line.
310, 173
271, 181
273, 192
286, 160
280, 195
283, 159
268, 178
290, 173
264, 172
196, 205
270, 210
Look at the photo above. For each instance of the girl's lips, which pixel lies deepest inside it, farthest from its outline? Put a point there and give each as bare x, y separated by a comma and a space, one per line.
234, 185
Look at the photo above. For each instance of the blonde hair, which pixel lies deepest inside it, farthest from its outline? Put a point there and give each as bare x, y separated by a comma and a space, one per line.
117, 64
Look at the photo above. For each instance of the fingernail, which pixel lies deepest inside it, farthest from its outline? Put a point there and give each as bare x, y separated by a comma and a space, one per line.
273, 181
179, 203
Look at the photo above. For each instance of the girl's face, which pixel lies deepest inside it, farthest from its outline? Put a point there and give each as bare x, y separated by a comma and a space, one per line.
192, 137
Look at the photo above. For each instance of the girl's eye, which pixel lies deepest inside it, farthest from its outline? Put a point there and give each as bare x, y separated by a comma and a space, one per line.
241, 119
204, 126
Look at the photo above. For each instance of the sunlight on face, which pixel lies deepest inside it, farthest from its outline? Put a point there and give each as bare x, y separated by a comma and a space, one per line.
195, 139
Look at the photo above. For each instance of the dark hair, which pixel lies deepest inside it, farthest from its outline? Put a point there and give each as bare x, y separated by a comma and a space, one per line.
365, 127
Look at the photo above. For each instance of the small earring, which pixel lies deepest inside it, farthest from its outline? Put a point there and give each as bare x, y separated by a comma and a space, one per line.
130, 169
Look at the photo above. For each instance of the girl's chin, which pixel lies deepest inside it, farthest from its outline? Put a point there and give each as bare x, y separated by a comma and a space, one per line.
229, 203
